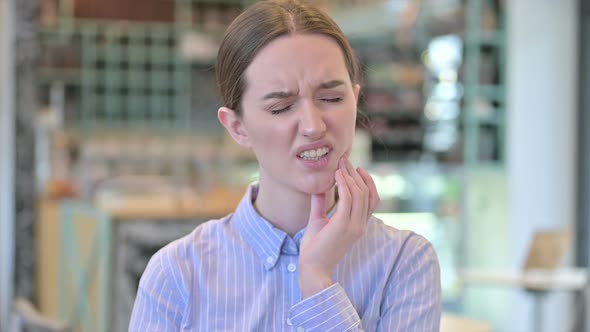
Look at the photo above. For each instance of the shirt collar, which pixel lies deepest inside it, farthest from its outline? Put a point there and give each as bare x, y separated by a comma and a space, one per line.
267, 241
261, 235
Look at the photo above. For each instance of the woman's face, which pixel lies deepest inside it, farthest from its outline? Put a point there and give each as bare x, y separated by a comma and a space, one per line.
299, 111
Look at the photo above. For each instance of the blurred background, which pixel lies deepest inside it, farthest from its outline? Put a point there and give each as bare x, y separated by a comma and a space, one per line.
475, 125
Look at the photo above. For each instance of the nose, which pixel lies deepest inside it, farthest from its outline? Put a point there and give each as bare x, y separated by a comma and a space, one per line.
311, 123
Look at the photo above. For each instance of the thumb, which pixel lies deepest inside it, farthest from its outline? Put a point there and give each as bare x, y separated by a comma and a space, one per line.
318, 207
317, 214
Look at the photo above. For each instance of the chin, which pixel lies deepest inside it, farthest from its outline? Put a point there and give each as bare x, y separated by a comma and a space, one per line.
317, 186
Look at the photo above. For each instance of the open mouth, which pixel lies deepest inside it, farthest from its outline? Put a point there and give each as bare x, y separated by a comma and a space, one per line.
315, 154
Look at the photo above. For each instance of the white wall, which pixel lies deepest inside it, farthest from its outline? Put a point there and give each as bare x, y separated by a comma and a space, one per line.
542, 101
6, 164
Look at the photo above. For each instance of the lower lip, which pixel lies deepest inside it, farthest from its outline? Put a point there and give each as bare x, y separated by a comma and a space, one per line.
316, 164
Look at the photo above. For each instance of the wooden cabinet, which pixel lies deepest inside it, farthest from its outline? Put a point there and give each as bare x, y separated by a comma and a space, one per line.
138, 227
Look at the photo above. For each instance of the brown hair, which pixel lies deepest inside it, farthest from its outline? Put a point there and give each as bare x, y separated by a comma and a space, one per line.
262, 23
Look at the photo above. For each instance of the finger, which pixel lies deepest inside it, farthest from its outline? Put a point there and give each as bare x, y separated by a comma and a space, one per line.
358, 211
318, 206
353, 173
317, 215
373, 193
344, 196
361, 203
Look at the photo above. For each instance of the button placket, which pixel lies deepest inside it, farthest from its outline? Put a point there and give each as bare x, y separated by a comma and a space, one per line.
291, 267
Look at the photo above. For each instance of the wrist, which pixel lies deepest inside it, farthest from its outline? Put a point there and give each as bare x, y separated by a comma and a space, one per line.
311, 283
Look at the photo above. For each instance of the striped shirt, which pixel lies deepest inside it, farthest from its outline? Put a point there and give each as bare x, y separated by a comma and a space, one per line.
239, 273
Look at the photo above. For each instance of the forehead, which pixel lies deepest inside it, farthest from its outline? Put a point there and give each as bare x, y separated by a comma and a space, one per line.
297, 59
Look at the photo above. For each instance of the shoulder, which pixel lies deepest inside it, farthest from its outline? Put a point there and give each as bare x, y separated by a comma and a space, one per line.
206, 234
176, 260
378, 230
407, 247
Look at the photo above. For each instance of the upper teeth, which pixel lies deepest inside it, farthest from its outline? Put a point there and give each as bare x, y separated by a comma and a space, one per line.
314, 154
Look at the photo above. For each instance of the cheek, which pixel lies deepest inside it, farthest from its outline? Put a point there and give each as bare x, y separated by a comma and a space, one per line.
346, 129
345, 122
269, 138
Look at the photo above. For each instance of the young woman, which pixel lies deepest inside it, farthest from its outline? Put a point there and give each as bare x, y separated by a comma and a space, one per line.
302, 251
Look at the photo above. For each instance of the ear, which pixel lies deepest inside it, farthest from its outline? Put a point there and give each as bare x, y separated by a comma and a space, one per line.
357, 91
234, 126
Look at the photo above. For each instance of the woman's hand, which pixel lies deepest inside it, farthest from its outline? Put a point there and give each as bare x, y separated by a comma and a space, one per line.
326, 241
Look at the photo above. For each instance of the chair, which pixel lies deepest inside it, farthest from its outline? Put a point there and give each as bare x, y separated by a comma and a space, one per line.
542, 272
547, 249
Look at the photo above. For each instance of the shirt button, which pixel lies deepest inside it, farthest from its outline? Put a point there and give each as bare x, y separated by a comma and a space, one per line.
289, 322
300, 329
291, 267
269, 260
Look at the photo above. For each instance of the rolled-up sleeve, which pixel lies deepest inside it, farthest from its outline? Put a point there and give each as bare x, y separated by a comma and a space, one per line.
411, 300
327, 310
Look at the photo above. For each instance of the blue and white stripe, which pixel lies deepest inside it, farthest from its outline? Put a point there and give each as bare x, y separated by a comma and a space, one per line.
239, 273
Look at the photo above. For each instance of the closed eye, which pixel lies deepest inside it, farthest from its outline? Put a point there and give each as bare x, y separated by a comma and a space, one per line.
332, 100
279, 111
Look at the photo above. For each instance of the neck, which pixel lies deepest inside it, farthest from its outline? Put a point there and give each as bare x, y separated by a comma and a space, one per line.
285, 208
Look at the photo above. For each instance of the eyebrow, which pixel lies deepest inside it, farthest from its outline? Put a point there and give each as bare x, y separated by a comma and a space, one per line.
286, 94
278, 95
331, 84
